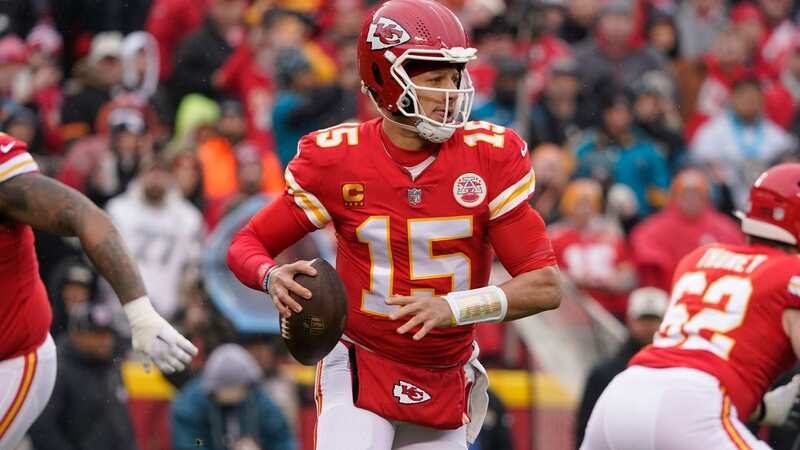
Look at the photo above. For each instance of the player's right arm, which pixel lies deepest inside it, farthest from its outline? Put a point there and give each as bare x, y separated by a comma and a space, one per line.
275, 228
29, 198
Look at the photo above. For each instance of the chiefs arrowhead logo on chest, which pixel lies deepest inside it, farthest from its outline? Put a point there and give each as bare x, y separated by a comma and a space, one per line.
408, 394
469, 190
386, 33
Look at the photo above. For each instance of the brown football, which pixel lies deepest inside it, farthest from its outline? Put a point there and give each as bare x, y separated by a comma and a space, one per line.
312, 334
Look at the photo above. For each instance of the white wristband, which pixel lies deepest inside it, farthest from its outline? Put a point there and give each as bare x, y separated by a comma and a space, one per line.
140, 311
486, 304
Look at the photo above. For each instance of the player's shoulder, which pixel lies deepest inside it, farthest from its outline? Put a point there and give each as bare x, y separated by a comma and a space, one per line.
329, 145
492, 141
11, 148
14, 158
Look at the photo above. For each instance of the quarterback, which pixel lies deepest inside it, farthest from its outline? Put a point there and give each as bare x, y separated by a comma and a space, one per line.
732, 327
27, 353
421, 200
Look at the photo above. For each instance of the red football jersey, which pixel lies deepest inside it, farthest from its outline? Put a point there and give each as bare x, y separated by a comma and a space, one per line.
725, 318
24, 310
423, 235
593, 256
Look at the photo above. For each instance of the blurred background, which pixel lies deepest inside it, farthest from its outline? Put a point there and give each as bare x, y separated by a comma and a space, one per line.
647, 122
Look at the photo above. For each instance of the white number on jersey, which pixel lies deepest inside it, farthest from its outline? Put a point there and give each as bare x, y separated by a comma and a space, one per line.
423, 264
678, 329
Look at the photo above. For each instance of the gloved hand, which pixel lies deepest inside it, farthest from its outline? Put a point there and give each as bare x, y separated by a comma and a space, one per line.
156, 338
781, 407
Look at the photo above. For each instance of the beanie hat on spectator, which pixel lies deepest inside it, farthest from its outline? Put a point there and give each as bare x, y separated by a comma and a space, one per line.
91, 317
79, 274
229, 365
13, 50
126, 119
744, 12
15, 114
647, 302
105, 45
45, 38
654, 82
290, 62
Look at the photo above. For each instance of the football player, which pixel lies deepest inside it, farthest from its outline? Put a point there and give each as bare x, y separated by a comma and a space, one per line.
732, 327
419, 199
27, 353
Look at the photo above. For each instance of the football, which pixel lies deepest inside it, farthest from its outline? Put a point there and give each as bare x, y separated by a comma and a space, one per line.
312, 334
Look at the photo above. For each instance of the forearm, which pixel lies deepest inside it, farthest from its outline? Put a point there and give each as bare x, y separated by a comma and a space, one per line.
532, 292
50, 206
248, 259
105, 247
272, 230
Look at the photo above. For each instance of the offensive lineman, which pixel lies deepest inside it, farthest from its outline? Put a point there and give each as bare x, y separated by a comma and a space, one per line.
27, 353
732, 327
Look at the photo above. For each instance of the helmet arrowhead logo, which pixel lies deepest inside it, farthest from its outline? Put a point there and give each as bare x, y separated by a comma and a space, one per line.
386, 33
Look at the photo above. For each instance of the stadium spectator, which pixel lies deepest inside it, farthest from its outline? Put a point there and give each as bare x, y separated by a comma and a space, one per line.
204, 51
93, 86
645, 311
74, 285
781, 97
616, 153
662, 34
591, 249
500, 108
169, 21
88, 409
739, 143
613, 52
699, 22
301, 104
101, 166
581, 15
726, 62
164, 232
249, 173
690, 220
656, 115
553, 167
223, 407
556, 116
780, 34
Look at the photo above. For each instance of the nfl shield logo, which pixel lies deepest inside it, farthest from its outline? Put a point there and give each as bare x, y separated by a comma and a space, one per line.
414, 196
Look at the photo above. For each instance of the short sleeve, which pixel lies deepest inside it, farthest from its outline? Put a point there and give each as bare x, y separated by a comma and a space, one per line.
512, 180
14, 158
302, 183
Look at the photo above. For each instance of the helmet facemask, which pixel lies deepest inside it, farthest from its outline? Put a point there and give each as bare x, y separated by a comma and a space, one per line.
457, 102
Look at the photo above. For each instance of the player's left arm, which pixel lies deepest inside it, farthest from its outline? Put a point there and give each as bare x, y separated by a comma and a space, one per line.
50, 206
517, 234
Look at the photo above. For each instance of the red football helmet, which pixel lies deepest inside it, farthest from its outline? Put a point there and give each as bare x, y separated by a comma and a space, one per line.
403, 31
773, 211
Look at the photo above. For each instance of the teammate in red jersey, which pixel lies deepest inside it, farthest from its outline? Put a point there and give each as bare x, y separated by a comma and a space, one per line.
27, 354
733, 326
418, 198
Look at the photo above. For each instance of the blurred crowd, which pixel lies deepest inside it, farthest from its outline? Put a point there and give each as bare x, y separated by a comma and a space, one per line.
647, 122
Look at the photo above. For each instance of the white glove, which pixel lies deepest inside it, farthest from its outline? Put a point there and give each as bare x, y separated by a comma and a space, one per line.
779, 406
156, 338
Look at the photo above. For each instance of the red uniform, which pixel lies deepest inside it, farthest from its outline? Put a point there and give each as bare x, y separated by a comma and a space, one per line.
24, 309
725, 319
396, 234
593, 256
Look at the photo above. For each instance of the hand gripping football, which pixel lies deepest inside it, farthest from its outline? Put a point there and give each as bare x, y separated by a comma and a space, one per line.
312, 333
